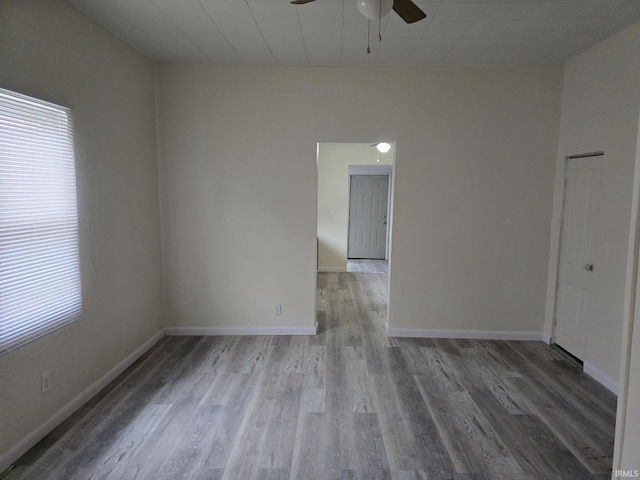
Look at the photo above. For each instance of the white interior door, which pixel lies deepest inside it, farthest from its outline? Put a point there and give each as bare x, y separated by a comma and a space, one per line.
368, 200
577, 270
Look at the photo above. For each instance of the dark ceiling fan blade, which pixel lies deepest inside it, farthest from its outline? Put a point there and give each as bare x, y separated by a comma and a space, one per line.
302, 2
408, 11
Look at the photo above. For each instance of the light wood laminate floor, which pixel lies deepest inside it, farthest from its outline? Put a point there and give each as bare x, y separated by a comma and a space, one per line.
348, 403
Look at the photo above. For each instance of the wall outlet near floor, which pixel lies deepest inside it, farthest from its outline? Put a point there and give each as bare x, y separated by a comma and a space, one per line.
45, 382
277, 309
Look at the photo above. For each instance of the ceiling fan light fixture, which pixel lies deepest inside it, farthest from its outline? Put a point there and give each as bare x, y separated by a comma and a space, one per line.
374, 9
383, 147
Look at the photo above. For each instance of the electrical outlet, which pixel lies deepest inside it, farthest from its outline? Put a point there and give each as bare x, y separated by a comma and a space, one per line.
277, 309
45, 382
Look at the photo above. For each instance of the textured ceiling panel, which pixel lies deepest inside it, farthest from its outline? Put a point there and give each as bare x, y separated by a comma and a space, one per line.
333, 32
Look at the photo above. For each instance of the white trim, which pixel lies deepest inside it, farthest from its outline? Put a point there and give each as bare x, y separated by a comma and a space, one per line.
386, 169
255, 331
600, 377
546, 338
23, 446
332, 269
471, 334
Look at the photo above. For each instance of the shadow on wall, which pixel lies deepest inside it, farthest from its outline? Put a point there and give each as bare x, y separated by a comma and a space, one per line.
329, 256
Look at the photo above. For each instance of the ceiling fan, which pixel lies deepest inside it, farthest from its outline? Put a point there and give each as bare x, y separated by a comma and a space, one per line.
376, 9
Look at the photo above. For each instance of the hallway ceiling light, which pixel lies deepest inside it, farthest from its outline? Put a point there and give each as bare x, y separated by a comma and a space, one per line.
383, 147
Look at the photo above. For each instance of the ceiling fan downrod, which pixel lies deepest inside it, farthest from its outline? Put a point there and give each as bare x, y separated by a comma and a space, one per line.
380, 23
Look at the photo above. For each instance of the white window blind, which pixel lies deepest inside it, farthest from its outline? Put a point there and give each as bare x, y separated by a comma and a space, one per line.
39, 259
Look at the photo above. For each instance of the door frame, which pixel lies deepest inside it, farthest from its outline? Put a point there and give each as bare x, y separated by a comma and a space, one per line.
554, 323
372, 170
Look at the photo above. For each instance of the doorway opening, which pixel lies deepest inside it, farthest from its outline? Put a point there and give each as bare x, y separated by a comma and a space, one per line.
337, 164
354, 212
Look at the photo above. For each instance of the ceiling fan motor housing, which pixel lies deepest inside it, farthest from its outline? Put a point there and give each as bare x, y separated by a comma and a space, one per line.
374, 9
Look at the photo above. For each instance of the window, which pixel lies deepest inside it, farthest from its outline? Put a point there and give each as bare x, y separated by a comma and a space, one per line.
39, 258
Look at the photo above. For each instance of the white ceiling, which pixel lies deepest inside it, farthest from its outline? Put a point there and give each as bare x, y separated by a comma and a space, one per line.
333, 32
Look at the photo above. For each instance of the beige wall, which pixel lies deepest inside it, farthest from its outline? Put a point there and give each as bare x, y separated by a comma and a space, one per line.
475, 163
50, 51
600, 112
473, 184
333, 197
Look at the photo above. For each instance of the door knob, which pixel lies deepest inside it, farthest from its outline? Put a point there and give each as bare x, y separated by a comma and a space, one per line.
589, 267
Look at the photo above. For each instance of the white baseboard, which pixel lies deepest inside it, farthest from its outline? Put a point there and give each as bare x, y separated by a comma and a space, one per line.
331, 269
546, 338
256, 331
22, 447
600, 377
470, 334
